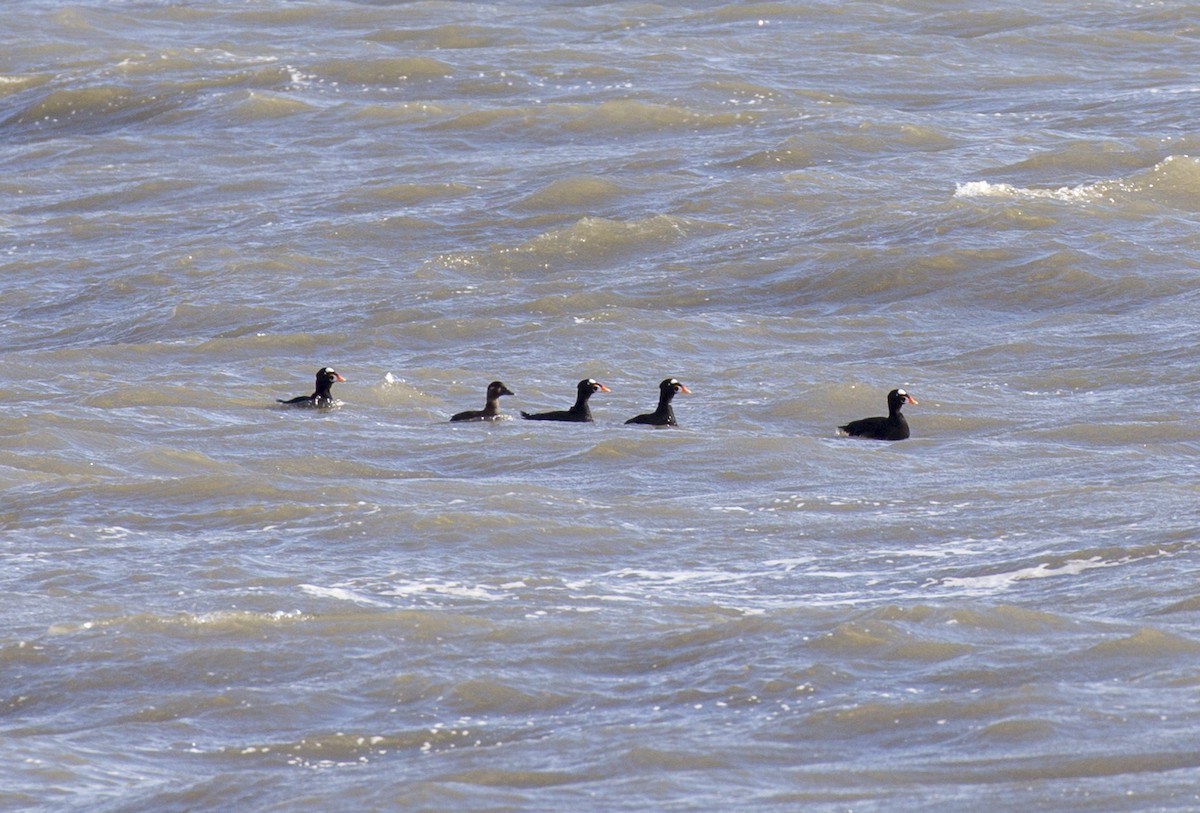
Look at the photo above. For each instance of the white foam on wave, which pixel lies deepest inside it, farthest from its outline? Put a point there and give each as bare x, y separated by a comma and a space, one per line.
987, 189
1171, 181
791, 563
229, 619
237, 617
341, 594
299, 79
110, 533
678, 577
445, 589
996, 582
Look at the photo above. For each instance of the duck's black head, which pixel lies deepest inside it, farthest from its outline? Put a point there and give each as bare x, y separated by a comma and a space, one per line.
328, 377
898, 398
590, 385
670, 386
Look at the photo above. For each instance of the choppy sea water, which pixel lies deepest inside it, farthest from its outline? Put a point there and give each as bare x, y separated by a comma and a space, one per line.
214, 603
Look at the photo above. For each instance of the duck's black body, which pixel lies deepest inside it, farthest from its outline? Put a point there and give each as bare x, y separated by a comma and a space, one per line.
893, 427
664, 415
491, 410
580, 413
322, 396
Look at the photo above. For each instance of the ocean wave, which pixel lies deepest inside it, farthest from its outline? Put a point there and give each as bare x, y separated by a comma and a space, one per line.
556, 121
333, 749
1056, 566
259, 105
846, 143
407, 194
1146, 646
454, 36
89, 110
385, 72
138, 90
11, 85
1173, 182
579, 192
589, 241
224, 621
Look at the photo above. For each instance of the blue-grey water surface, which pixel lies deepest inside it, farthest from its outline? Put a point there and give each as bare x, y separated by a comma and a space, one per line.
215, 603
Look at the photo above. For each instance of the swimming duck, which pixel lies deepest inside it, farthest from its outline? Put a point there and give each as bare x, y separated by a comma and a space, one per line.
893, 427
579, 412
321, 397
664, 415
491, 410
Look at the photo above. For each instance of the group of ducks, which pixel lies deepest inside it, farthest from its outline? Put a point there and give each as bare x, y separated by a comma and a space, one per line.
891, 427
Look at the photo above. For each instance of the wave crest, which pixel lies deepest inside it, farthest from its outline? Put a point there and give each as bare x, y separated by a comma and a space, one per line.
1173, 182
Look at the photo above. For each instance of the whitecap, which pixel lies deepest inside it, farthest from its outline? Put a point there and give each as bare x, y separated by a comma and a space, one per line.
1000, 581
987, 189
341, 594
